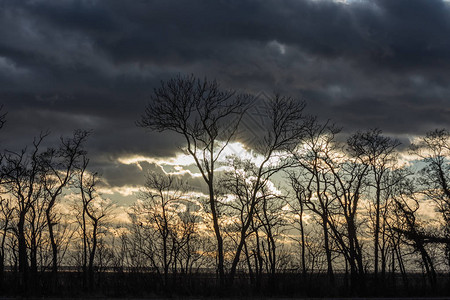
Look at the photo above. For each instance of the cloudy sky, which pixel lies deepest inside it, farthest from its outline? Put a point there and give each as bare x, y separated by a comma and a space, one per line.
93, 65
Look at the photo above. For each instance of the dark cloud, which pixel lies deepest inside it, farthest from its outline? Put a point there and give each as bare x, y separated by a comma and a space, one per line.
93, 64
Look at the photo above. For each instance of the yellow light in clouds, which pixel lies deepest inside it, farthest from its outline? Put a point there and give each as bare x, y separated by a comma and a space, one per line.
122, 190
182, 160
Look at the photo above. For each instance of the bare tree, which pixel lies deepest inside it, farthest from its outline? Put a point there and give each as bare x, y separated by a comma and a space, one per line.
347, 188
36, 226
163, 215
22, 173
378, 152
270, 215
393, 220
434, 150
189, 245
301, 196
330, 184
207, 117
93, 213
161, 194
312, 178
59, 167
407, 206
249, 181
7, 213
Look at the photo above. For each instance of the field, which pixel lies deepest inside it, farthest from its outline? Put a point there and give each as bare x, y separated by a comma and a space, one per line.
288, 285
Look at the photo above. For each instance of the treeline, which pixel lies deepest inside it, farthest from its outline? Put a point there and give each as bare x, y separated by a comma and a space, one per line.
304, 209
36, 232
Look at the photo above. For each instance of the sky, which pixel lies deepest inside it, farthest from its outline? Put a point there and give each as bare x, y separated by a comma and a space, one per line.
93, 65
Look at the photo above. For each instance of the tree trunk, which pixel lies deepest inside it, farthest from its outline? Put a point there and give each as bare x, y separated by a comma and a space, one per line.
92, 256
85, 255
23, 259
220, 256
377, 230
330, 273
302, 233
54, 276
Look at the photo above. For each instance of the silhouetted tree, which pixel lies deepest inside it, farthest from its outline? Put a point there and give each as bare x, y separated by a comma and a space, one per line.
393, 219
162, 218
6, 214
93, 212
6, 211
434, 150
22, 173
312, 178
407, 206
59, 166
249, 181
207, 117
301, 196
378, 152
346, 187
35, 232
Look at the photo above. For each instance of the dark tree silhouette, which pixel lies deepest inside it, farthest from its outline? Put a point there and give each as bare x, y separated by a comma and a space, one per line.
7, 211
378, 152
434, 150
59, 166
353, 197
93, 212
207, 117
407, 206
311, 180
284, 131
22, 173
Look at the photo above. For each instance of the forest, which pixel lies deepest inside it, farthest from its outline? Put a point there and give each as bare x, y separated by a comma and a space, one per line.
306, 209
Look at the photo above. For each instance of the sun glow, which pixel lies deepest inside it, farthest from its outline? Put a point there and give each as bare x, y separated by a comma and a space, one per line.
183, 163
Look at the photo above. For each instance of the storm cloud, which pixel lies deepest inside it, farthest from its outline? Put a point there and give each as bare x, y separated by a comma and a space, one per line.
93, 64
